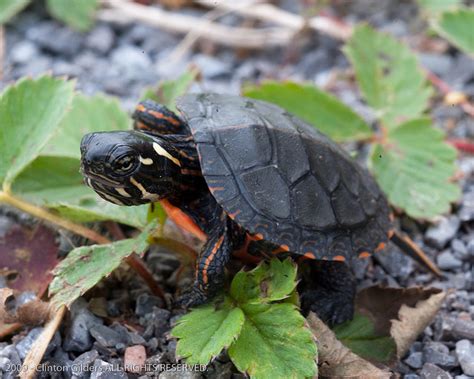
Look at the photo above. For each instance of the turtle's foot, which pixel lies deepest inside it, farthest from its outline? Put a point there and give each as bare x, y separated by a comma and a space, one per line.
192, 297
332, 307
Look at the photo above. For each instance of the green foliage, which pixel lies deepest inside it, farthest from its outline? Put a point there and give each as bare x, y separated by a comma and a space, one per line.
414, 167
266, 337
388, 75
78, 14
54, 180
435, 7
168, 91
457, 27
9, 8
201, 343
31, 112
85, 266
318, 108
359, 335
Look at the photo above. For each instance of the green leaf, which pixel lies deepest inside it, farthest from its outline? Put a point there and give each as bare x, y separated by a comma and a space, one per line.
55, 182
265, 333
78, 14
85, 266
458, 28
266, 283
30, 112
169, 90
389, 75
274, 344
359, 335
414, 167
435, 7
88, 114
205, 331
320, 109
9, 8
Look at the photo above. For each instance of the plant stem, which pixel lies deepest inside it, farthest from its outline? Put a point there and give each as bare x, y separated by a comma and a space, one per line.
7, 198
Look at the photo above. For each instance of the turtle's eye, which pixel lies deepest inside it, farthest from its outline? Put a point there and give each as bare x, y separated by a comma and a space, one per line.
124, 164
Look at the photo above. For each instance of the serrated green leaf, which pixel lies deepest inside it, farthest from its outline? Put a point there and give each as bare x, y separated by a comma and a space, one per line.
55, 182
414, 167
266, 283
274, 343
458, 28
9, 8
168, 91
78, 14
389, 76
320, 109
85, 266
30, 112
359, 335
435, 7
204, 332
87, 114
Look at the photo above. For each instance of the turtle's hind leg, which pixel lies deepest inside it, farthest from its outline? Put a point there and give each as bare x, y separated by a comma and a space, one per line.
328, 289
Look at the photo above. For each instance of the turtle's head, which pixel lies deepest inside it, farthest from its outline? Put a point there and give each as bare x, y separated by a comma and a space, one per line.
129, 167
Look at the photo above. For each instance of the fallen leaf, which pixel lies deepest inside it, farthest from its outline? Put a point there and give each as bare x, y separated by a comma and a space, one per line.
14, 309
402, 313
335, 359
28, 255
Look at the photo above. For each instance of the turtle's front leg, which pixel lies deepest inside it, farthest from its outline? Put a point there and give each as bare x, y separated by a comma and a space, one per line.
210, 268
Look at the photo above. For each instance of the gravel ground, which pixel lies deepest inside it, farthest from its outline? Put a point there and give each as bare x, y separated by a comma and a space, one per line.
121, 61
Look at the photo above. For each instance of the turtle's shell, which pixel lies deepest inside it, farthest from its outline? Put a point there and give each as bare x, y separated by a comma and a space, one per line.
284, 181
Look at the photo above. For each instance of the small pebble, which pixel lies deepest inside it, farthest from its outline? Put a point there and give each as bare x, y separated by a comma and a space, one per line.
105, 336
440, 234
465, 354
447, 261
415, 360
134, 359
105, 370
431, 371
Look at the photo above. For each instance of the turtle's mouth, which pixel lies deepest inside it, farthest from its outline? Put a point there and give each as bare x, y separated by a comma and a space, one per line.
90, 176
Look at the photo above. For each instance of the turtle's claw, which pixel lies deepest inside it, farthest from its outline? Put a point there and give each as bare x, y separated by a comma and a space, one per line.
192, 297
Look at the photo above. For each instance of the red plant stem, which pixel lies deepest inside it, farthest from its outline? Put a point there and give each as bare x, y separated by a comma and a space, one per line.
463, 145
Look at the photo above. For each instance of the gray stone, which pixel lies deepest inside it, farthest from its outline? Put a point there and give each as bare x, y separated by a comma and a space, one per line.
105, 370
78, 337
440, 234
131, 59
437, 63
105, 336
24, 346
101, 39
11, 353
411, 376
438, 354
211, 67
456, 328
82, 365
63, 68
415, 360
460, 249
470, 247
145, 304
58, 39
36, 67
431, 371
447, 261
23, 52
179, 375
465, 354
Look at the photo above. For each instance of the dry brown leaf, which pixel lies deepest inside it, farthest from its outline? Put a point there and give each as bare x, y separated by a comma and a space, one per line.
33, 312
336, 360
402, 313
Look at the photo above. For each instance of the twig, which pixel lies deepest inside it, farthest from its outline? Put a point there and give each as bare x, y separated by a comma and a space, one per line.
446, 90
125, 11
36, 353
271, 13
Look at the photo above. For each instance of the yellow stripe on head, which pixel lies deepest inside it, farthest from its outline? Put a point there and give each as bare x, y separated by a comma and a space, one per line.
160, 151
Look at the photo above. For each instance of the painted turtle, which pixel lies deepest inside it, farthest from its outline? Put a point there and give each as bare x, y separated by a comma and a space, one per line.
249, 178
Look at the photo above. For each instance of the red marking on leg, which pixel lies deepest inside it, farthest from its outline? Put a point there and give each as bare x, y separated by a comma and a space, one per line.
364, 254
242, 252
209, 259
183, 220
171, 120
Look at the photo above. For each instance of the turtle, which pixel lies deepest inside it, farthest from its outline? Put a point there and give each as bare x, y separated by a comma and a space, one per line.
253, 181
